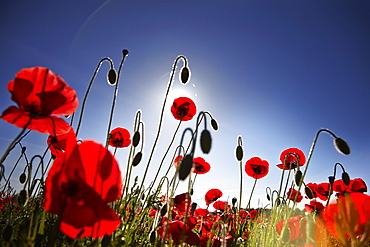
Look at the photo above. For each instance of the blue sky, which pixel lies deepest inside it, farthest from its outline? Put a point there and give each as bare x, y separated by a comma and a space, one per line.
274, 72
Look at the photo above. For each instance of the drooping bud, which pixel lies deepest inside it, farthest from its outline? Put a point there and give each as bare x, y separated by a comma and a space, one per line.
233, 201
214, 124
345, 178
137, 159
152, 237
239, 153
112, 76
164, 210
22, 178
308, 192
331, 179
185, 167
125, 52
184, 75
193, 207
205, 141
136, 139
342, 146
268, 197
7, 233
23, 150
298, 177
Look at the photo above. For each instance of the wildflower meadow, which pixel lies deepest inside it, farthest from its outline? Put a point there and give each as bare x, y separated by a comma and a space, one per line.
77, 194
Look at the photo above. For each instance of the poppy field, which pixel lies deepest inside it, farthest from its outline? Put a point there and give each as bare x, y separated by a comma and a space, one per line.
76, 194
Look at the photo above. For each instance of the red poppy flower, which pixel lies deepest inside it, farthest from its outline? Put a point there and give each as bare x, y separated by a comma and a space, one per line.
201, 212
79, 185
296, 226
175, 229
323, 191
177, 161
40, 94
200, 166
253, 214
291, 158
183, 109
58, 144
349, 216
355, 185
220, 205
212, 195
182, 202
292, 193
314, 206
256, 167
119, 138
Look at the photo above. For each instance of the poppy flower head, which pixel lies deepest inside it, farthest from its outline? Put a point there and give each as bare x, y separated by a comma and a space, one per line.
355, 185
314, 207
253, 213
183, 109
58, 144
200, 166
220, 205
40, 94
79, 185
212, 195
291, 158
256, 167
296, 225
293, 193
119, 137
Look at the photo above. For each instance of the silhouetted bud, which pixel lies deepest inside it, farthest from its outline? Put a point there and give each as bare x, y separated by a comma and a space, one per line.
233, 201
191, 191
268, 197
152, 237
112, 76
136, 139
239, 153
105, 242
184, 75
331, 179
137, 159
164, 210
345, 178
23, 197
23, 150
342, 146
7, 233
214, 124
125, 52
22, 178
308, 192
205, 141
185, 167
278, 201
298, 177
1, 171
193, 207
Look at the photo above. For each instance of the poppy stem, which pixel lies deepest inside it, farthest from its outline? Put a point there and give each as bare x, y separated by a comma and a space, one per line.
254, 186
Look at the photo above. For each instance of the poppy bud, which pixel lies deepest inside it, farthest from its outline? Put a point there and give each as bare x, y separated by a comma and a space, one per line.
22, 178
112, 76
278, 201
233, 201
164, 210
331, 179
136, 139
125, 52
308, 192
152, 237
186, 166
105, 242
345, 178
184, 75
342, 146
298, 177
23, 150
205, 141
268, 197
7, 233
214, 124
137, 159
1, 171
193, 207
285, 235
239, 153
191, 191
23, 197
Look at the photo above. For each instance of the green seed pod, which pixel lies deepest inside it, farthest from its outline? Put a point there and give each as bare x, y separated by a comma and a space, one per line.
239, 153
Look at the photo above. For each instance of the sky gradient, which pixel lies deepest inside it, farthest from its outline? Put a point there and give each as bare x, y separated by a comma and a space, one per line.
273, 72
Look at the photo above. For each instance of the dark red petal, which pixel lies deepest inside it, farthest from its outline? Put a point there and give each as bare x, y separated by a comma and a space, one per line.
20, 90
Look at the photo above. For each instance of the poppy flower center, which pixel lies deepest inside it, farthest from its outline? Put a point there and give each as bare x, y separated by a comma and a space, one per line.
199, 168
183, 109
257, 169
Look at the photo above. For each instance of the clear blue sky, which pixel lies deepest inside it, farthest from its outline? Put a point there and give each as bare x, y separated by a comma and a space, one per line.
274, 72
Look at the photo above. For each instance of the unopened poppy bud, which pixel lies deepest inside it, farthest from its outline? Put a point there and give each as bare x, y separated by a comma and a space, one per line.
345, 178
268, 197
239, 153
184, 75
186, 166
308, 192
125, 52
205, 141
136, 139
23, 197
1, 171
7, 233
23, 150
22, 178
107, 239
112, 76
152, 237
285, 235
233, 201
298, 177
214, 124
191, 191
164, 210
137, 159
193, 207
331, 179
342, 146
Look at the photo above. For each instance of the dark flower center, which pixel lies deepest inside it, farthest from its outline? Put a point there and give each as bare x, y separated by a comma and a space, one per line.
199, 168
257, 169
183, 109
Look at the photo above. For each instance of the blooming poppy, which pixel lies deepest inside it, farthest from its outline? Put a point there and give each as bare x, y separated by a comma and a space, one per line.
40, 94
183, 109
323, 191
293, 193
314, 206
119, 138
256, 167
202, 212
296, 226
355, 185
79, 185
182, 202
212, 195
220, 205
200, 166
349, 217
253, 214
175, 230
291, 158
58, 144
